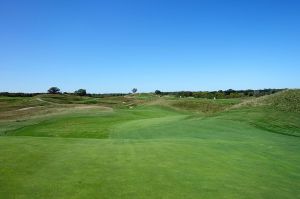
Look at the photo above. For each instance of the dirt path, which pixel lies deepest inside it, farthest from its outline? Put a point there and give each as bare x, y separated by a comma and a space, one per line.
41, 100
24, 109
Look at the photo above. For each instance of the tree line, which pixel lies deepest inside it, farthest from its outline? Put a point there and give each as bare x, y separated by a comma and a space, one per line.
230, 93
57, 91
83, 92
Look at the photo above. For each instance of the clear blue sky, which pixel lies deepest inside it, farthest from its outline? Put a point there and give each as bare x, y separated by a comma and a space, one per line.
113, 46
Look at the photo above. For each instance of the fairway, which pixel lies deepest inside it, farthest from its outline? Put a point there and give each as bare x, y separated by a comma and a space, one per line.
153, 148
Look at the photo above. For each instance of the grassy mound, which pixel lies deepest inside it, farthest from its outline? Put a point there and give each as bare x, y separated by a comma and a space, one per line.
285, 101
277, 113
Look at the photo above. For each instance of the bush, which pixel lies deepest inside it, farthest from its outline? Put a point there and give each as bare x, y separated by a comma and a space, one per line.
157, 92
80, 92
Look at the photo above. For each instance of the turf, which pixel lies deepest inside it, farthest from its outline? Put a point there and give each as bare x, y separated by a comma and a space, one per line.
152, 148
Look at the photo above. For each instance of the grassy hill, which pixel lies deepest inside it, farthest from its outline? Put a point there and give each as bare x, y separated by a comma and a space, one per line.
148, 146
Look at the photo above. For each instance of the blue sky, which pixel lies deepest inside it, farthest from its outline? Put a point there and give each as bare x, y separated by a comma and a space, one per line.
113, 46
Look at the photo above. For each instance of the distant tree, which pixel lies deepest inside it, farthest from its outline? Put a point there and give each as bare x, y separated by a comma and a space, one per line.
53, 90
80, 92
134, 90
158, 92
227, 92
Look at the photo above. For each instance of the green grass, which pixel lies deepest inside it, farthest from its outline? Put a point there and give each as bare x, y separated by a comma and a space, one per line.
272, 120
88, 125
203, 105
13, 103
159, 148
160, 168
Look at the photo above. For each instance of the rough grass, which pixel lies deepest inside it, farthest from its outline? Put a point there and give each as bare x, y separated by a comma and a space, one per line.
286, 101
14, 103
203, 105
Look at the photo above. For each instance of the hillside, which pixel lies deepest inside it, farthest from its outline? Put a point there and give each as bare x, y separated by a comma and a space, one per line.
277, 113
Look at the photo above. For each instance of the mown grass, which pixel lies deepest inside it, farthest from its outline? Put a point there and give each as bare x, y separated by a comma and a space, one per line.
159, 148
87, 125
35, 167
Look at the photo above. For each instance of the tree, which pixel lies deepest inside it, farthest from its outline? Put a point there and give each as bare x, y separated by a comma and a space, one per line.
53, 90
80, 92
134, 90
158, 92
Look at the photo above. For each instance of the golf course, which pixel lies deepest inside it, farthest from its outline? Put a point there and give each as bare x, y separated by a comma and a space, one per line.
150, 146
150, 99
